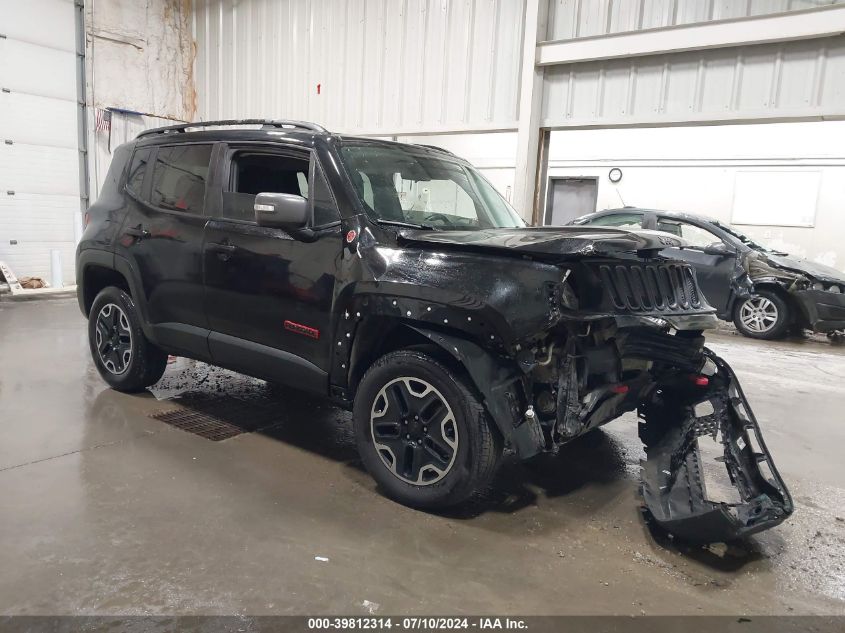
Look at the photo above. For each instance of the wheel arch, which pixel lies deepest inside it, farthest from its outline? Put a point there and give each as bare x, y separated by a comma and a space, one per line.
98, 269
796, 313
497, 380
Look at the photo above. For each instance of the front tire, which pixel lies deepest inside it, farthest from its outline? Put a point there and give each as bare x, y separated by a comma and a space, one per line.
126, 360
422, 433
764, 315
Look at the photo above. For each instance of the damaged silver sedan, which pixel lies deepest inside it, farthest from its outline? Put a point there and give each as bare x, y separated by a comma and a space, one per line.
765, 292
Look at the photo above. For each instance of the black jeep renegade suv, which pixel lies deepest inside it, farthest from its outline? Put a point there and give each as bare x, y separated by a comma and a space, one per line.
396, 281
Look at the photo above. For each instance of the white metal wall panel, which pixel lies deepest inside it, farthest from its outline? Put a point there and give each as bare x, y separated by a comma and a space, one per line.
39, 160
43, 22
37, 70
586, 18
38, 120
802, 79
388, 66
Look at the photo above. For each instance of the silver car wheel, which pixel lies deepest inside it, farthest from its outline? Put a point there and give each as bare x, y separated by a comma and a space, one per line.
758, 315
113, 337
414, 431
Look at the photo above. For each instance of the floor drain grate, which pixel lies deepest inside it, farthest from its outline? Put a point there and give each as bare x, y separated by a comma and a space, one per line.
217, 420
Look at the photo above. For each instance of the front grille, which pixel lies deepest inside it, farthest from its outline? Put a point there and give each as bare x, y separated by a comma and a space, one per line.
651, 287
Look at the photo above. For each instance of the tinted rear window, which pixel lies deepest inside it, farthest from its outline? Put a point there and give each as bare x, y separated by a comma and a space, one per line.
179, 178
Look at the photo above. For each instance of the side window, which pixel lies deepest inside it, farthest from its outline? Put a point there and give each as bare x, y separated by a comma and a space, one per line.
137, 171
620, 220
252, 173
179, 177
325, 209
696, 236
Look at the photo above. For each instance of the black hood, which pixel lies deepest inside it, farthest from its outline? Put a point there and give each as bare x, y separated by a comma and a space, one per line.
805, 266
563, 241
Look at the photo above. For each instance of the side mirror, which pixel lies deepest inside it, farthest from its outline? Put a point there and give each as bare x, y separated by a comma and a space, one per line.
718, 248
281, 210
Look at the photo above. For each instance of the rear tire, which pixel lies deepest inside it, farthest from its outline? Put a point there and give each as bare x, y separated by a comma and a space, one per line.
422, 433
764, 315
125, 358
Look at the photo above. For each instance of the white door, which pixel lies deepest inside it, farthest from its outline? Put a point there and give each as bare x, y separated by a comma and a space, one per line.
39, 159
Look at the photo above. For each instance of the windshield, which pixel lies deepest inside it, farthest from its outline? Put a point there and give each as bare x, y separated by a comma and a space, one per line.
743, 238
397, 184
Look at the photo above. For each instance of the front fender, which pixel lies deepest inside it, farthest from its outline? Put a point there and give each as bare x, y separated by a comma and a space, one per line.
500, 385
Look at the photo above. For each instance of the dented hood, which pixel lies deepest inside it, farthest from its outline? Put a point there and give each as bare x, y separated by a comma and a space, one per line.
564, 241
805, 266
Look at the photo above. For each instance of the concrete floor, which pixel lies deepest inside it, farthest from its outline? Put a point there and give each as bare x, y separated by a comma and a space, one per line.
105, 510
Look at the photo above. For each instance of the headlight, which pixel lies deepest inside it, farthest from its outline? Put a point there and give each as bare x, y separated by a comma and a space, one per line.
836, 289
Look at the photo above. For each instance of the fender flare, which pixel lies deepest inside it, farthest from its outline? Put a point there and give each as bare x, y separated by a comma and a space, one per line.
501, 389
85, 258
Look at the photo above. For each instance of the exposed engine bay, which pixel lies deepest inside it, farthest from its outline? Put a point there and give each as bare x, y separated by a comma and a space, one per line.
684, 394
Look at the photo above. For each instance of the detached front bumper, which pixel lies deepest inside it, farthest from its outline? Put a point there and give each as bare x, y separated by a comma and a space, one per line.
673, 473
824, 311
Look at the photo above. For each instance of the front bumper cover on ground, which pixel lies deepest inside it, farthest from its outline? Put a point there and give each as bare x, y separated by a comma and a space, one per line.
673, 473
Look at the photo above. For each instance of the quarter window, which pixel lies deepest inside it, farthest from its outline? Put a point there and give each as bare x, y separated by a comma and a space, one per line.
325, 209
137, 171
179, 178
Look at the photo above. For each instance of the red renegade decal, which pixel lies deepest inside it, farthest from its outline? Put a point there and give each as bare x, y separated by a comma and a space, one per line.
298, 328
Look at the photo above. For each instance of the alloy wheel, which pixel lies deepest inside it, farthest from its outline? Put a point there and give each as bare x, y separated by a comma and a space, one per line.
758, 314
414, 431
114, 338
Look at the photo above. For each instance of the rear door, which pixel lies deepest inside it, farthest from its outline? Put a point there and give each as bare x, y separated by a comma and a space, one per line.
162, 238
269, 296
714, 272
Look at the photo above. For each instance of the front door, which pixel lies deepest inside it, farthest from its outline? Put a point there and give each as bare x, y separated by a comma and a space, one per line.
714, 272
162, 238
268, 295
570, 198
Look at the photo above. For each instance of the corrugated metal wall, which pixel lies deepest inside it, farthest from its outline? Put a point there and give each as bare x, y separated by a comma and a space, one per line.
365, 66
585, 18
799, 79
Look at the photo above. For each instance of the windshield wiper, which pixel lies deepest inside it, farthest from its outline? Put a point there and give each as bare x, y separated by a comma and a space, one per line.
407, 225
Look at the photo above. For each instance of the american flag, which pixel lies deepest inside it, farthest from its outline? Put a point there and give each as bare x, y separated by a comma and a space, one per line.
102, 119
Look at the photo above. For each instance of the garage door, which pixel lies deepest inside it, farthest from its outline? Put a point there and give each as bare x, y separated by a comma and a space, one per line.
39, 159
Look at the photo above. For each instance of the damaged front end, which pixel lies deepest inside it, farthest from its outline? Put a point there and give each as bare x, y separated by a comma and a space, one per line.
562, 331
817, 291
675, 418
635, 342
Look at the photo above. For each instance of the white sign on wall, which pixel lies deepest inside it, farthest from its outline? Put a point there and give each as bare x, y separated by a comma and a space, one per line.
776, 198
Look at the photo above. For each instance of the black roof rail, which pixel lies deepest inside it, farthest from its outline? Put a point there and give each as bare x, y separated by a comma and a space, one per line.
265, 123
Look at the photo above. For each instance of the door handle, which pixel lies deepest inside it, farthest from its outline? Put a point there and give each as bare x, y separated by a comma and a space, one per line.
224, 251
137, 231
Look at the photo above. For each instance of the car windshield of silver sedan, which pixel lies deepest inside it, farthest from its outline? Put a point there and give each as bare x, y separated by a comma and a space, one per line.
404, 187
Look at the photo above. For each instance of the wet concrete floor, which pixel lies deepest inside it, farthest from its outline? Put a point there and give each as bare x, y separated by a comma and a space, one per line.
104, 510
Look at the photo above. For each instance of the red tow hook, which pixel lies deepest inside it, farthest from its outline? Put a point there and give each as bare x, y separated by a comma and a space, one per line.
699, 381
619, 388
